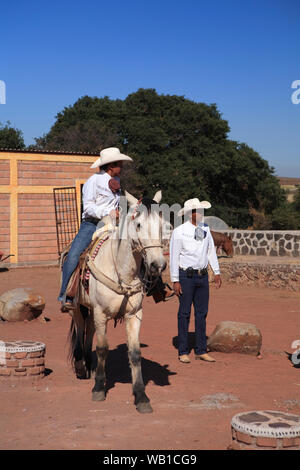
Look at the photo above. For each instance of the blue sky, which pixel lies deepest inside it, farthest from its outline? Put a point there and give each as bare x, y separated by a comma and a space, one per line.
242, 55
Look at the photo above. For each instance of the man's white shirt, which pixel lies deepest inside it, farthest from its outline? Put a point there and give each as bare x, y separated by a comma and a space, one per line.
97, 197
187, 252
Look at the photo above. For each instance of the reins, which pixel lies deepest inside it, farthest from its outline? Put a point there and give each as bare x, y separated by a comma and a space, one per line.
121, 287
99, 275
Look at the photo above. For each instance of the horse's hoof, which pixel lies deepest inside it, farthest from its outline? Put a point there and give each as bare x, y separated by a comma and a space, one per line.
82, 374
144, 407
98, 396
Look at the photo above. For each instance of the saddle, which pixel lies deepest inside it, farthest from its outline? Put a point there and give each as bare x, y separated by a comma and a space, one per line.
160, 291
81, 272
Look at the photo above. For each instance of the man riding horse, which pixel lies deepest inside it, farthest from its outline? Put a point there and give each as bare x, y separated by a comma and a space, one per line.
100, 197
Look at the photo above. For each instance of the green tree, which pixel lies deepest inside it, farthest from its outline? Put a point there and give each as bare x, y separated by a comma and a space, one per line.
88, 126
178, 145
296, 202
10, 137
286, 218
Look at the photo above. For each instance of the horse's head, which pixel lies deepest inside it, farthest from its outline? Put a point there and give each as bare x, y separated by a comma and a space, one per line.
145, 230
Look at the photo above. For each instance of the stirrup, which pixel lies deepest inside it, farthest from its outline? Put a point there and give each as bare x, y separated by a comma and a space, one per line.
67, 306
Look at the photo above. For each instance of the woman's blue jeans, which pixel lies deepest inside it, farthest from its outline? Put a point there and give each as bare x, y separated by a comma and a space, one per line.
79, 244
195, 291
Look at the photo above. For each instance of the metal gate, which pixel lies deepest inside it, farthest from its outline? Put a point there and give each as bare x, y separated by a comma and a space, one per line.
66, 216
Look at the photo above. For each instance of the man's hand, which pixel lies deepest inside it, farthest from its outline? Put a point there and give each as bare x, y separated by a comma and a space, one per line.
177, 288
218, 281
114, 213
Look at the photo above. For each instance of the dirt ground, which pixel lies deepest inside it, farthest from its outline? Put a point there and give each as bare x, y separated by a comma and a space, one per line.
193, 403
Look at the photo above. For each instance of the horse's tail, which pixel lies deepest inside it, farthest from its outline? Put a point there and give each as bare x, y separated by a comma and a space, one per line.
80, 339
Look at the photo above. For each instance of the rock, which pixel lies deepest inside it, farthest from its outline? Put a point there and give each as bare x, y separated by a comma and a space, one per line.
230, 336
21, 304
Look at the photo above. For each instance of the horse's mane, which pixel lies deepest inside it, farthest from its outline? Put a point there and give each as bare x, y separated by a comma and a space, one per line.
147, 202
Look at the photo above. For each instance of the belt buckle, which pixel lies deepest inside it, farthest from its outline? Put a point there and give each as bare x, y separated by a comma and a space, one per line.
189, 272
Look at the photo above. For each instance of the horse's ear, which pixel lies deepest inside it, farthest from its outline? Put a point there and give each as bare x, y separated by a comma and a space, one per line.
157, 197
131, 199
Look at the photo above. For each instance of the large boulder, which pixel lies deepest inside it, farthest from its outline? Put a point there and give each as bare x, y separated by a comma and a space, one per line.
230, 336
21, 304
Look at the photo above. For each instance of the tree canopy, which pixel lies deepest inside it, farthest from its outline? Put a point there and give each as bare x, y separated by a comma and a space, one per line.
10, 137
178, 145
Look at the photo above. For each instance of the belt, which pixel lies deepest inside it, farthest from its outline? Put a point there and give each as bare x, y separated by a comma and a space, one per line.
93, 220
200, 272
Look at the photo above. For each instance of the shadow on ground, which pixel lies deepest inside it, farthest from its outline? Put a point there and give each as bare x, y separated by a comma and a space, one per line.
118, 370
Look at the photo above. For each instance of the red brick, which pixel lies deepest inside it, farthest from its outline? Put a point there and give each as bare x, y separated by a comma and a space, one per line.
20, 355
5, 371
37, 230
28, 363
25, 238
31, 222
41, 243
35, 354
12, 363
5, 209
291, 441
27, 209
39, 217
47, 257
40, 361
20, 373
44, 250
242, 437
33, 371
38, 174
262, 441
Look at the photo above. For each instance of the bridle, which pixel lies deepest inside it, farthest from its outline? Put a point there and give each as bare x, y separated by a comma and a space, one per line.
139, 248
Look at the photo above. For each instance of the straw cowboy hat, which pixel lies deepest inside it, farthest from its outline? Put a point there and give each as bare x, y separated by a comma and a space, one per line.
193, 204
109, 155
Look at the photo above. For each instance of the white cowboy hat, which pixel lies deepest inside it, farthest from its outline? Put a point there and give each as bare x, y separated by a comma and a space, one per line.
193, 204
109, 155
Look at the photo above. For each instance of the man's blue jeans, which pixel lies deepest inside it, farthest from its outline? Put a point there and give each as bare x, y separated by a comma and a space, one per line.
195, 291
79, 244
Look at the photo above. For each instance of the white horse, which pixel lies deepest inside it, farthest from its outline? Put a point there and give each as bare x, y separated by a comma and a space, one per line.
116, 291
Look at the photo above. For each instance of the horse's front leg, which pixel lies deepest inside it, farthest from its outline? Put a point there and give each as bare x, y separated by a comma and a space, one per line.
141, 401
100, 320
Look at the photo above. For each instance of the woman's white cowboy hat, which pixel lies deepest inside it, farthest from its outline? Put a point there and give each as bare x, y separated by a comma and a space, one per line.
109, 155
193, 204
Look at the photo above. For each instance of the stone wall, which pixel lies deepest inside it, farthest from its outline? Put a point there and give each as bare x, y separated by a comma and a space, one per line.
274, 275
265, 242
